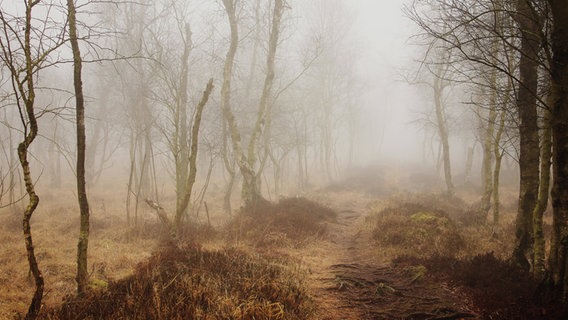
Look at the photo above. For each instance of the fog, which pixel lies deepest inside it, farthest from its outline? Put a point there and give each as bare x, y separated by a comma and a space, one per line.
344, 152
349, 90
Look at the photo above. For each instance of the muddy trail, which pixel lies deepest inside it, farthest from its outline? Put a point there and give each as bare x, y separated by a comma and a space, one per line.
349, 280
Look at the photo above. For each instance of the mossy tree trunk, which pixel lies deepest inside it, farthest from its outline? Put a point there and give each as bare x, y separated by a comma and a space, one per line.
192, 157
529, 151
23, 62
180, 147
83, 244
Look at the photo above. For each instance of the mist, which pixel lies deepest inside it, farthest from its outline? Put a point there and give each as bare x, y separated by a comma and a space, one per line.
282, 159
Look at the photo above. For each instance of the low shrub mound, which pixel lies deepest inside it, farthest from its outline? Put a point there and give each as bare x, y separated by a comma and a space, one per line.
291, 221
455, 207
418, 230
192, 283
497, 289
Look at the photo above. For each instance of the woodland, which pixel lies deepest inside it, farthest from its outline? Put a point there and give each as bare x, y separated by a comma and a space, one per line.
223, 159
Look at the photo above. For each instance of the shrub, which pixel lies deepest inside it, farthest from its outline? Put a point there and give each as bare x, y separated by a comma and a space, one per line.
192, 283
417, 230
291, 221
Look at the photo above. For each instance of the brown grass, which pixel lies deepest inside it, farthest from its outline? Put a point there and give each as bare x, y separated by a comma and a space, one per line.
497, 289
290, 222
114, 251
192, 283
437, 233
424, 225
417, 229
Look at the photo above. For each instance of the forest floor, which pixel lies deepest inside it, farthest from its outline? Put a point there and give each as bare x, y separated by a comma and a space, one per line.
365, 248
352, 280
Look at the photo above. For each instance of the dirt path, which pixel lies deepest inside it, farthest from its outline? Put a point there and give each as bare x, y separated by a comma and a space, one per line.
349, 280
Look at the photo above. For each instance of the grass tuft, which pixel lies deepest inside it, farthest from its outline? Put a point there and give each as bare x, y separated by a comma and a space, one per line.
416, 229
192, 283
290, 222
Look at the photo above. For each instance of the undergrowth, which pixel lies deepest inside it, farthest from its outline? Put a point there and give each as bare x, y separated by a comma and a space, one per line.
497, 289
290, 222
444, 238
416, 229
192, 283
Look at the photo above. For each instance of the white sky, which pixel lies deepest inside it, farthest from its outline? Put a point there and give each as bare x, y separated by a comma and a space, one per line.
386, 54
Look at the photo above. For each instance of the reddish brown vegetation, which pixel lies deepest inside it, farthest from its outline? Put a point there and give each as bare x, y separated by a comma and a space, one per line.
497, 289
443, 235
192, 283
291, 221
412, 228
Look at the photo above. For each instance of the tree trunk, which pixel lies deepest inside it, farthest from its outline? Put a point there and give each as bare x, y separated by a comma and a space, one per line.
263, 115
529, 152
539, 266
229, 164
250, 193
442, 128
82, 246
488, 150
26, 89
498, 155
131, 177
559, 248
181, 149
192, 156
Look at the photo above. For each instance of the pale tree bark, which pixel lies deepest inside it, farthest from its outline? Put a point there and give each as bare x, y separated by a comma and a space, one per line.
539, 266
192, 157
488, 149
252, 191
529, 152
441, 122
229, 164
247, 172
181, 147
82, 246
498, 154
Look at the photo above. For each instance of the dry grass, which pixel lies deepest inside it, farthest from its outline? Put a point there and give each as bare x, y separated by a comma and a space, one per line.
438, 235
192, 283
241, 285
417, 229
290, 222
425, 225
114, 251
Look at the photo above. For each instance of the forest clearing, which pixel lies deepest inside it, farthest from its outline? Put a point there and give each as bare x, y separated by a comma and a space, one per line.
283, 159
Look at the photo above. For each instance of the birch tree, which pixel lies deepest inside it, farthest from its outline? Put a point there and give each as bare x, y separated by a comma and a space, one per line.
246, 162
27, 44
82, 246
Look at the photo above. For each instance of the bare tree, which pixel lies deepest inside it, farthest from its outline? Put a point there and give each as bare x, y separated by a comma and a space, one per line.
82, 246
25, 51
468, 28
